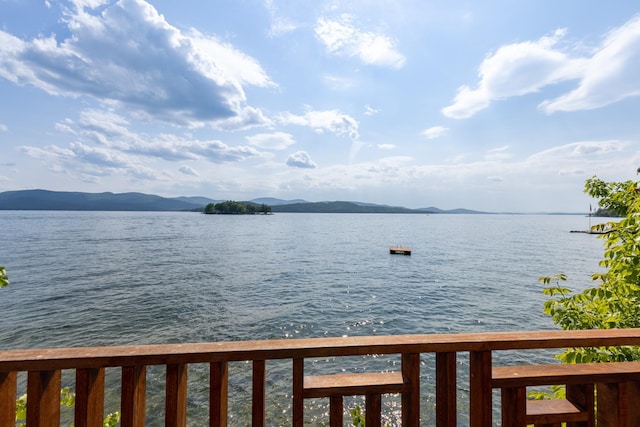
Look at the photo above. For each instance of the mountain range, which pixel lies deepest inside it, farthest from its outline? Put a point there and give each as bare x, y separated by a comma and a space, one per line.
78, 201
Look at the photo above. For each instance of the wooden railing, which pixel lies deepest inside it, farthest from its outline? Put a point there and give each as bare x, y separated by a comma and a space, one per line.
43, 369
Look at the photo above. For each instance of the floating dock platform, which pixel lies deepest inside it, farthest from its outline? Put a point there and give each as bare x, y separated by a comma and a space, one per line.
397, 250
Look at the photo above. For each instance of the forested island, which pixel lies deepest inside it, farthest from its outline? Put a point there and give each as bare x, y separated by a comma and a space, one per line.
237, 208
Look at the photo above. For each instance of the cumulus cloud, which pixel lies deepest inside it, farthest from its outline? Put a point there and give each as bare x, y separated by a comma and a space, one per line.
126, 54
104, 146
111, 131
609, 76
514, 70
272, 141
605, 76
300, 159
321, 121
435, 132
341, 37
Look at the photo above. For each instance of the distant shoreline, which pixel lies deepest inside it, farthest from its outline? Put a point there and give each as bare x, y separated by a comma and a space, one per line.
45, 200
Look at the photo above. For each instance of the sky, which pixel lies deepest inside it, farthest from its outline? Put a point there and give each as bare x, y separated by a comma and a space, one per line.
501, 106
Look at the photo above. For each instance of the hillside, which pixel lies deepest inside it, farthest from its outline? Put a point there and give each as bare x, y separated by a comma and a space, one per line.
343, 207
75, 201
78, 201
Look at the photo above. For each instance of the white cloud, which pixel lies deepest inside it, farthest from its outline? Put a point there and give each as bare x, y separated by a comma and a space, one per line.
300, 159
321, 121
187, 170
279, 24
499, 153
579, 151
514, 70
3, 128
128, 55
342, 38
386, 146
338, 83
370, 111
609, 76
435, 132
273, 141
104, 146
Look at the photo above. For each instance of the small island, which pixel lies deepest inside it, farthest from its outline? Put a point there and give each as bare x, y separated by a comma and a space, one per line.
237, 208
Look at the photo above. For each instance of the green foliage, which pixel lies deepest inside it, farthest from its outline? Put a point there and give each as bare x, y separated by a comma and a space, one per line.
210, 208
357, 417
67, 399
111, 420
21, 409
4, 280
238, 208
614, 302
555, 392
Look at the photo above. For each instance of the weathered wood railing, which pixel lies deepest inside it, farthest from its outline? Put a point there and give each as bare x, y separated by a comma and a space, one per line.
44, 367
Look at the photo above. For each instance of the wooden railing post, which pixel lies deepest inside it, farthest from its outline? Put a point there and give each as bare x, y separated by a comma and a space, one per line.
480, 391
411, 399
297, 387
43, 402
89, 406
8, 398
583, 397
176, 396
336, 411
513, 406
373, 408
258, 399
219, 397
134, 387
446, 390
618, 404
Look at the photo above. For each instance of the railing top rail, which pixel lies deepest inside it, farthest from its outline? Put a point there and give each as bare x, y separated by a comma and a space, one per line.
161, 354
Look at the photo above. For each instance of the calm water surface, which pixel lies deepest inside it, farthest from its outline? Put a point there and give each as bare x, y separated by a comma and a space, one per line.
104, 278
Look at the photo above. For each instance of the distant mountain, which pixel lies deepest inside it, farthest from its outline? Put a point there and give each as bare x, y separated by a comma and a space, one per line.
75, 201
342, 207
452, 211
197, 200
275, 202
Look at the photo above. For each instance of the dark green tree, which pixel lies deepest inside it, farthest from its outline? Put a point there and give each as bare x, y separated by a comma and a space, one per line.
210, 208
264, 209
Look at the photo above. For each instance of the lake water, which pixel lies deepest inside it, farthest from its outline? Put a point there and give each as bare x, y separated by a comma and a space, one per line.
105, 278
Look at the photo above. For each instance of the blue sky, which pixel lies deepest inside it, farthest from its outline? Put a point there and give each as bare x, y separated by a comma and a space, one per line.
492, 105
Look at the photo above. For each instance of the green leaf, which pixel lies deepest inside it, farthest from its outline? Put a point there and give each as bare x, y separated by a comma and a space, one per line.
4, 280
